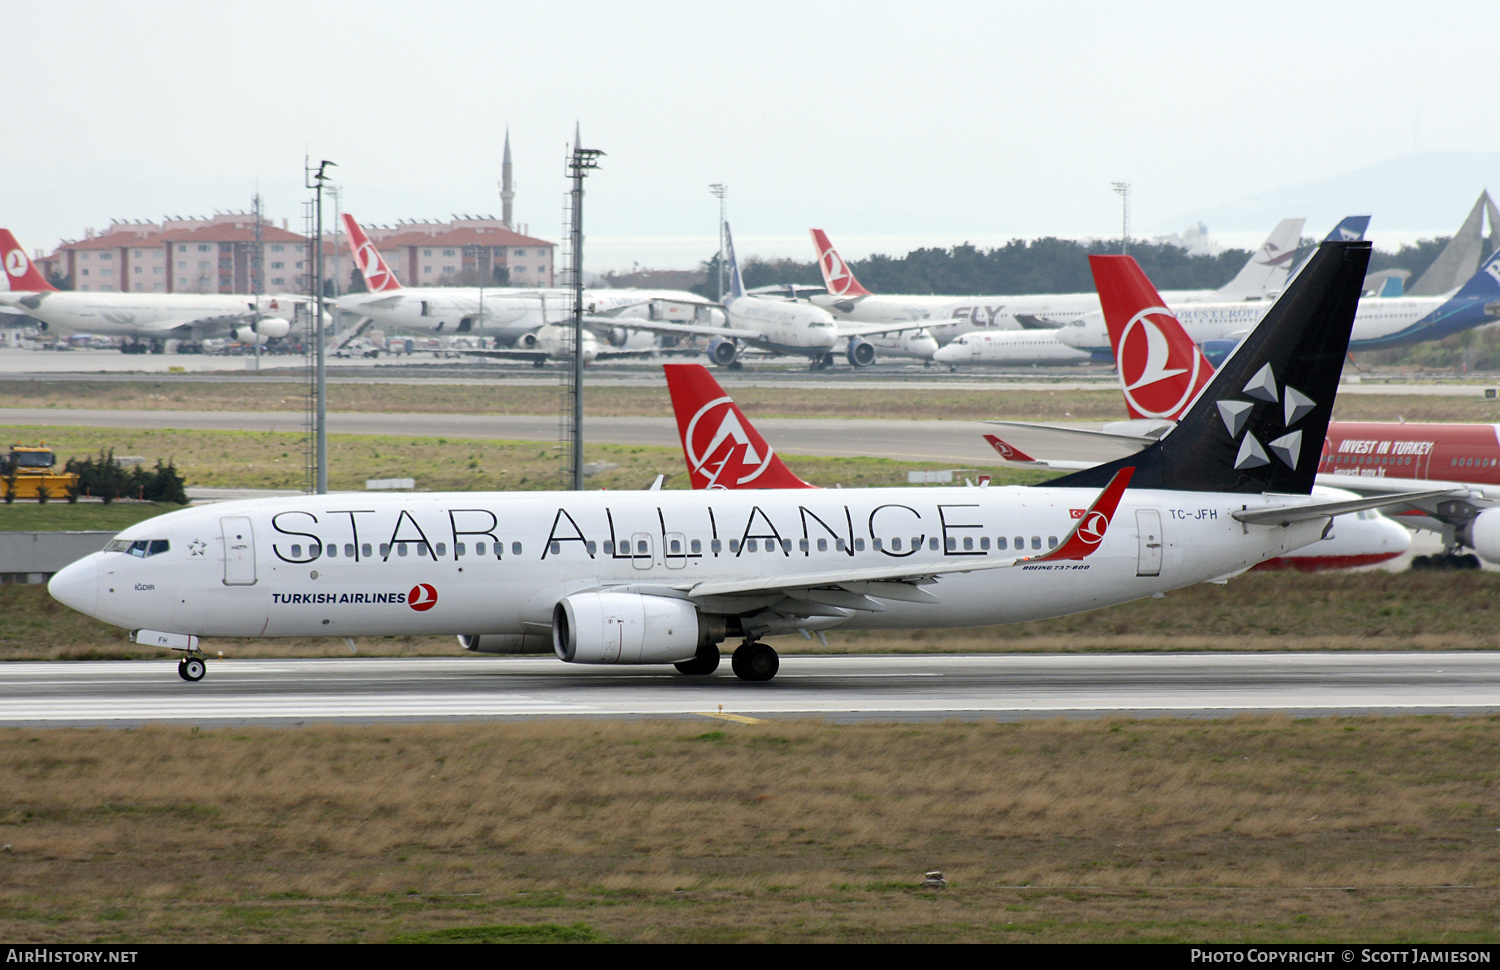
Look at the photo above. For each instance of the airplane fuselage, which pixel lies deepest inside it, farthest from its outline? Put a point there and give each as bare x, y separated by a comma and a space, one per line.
148, 315
498, 563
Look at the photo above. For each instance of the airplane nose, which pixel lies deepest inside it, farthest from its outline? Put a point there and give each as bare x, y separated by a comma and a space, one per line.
77, 586
952, 353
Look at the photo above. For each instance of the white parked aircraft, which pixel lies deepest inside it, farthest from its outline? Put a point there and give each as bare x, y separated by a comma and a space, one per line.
1262, 277
787, 327
508, 314
648, 578
144, 319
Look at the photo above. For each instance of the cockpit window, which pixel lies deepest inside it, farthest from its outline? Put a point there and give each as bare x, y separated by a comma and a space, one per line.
141, 548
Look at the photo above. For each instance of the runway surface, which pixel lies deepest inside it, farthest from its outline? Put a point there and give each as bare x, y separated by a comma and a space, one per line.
282, 692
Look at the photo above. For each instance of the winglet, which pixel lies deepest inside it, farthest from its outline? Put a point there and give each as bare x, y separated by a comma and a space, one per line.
837, 275
1089, 532
22, 272
378, 276
1007, 450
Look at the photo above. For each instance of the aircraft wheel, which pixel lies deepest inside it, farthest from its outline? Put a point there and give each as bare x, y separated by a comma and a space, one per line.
539, 363
1421, 563
755, 662
192, 668
953, 368
736, 365
1469, 561
705, 663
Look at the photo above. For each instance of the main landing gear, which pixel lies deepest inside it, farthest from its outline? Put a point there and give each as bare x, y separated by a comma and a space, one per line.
191, 668
754, 661
1445, 560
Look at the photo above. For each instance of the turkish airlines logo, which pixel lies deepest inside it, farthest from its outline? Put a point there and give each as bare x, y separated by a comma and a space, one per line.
835, 273
715, 431
1091, 532
16, 263
1157, 376
375, 273
422, 597
1005, 450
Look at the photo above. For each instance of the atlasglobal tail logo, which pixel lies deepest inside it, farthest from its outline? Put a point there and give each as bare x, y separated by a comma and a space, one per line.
422, 597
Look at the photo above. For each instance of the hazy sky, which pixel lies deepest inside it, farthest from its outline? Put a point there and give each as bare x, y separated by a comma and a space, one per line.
880, 121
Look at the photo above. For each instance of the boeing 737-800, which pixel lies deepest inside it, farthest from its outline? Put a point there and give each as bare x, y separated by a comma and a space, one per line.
641, 578
150, 317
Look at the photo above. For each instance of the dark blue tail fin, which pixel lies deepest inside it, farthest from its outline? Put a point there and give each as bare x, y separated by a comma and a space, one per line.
1259, 425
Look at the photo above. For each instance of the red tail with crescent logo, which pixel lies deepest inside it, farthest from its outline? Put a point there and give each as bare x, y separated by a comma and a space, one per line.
1161, 370
1089, 531
721, 446
378, 276
837, 275
19, 268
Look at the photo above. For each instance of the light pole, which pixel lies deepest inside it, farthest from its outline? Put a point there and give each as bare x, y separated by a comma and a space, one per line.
315, 181
1123, 190
580, 163
720, 190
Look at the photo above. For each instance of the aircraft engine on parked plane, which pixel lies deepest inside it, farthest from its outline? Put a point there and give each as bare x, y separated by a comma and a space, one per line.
627, 628
722, 352
861, 353
273, 327
1482, 534
527, 341
246, 334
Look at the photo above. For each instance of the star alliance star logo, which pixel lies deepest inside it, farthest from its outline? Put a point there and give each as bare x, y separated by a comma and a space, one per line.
197, 547
1236, 414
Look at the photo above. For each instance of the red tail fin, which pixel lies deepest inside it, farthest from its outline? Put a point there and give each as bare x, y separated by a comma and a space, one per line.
721, 446
1089, 531
837, 275
378, 276
1007, 450
19, 268
1161, 370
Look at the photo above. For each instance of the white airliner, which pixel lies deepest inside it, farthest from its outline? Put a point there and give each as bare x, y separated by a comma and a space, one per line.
1380, 322
144, 319
1262, 277
657, 578
786, 327
508, 314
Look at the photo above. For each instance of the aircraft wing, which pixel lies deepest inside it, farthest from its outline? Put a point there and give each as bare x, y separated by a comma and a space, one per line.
880, 329
1132, 442
1287, 514
510, 354
652, 326
849, 588
1033, 321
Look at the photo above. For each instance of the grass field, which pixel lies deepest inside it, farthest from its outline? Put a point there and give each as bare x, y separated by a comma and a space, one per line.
813, 400
1252, 829
1258, 611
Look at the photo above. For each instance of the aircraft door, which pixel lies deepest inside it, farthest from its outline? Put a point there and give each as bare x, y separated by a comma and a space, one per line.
641, 556
1148, 532
239, 551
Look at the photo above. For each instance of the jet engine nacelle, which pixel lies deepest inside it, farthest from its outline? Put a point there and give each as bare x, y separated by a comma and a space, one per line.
273, 327
722, 352
624, 628
246, 334
511, 643
528, 341
1482, 534
861, 353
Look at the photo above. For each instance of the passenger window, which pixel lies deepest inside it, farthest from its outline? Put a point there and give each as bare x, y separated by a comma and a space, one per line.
515, 549
859, 545
676, 547
896, 544
734, 546
1020, 543
932, 544
877, 544
400, 548
1052, 542
1002, 543
459, 550
609, 547
802, 545
296, 551
478, 548
839, 544
968, 543
555, 548
950, 544
442, 549
753, 545
364, 550
422, 550
715, 546
333, 551
786, 545
349, 550
1036, 542
591, 546
984, 543
696, 545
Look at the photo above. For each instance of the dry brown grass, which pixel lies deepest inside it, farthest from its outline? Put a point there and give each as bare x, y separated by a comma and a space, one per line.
1257, 828
813, 400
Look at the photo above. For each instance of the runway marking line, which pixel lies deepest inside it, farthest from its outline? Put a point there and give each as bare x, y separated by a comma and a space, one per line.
738, 718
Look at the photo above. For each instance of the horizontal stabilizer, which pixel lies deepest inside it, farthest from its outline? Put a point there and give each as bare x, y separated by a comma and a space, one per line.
1287, 514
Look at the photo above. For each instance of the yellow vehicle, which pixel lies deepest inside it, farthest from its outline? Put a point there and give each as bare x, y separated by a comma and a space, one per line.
27, 470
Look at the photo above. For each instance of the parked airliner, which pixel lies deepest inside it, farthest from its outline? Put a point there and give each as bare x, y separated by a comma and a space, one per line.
652, 578
144, 319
